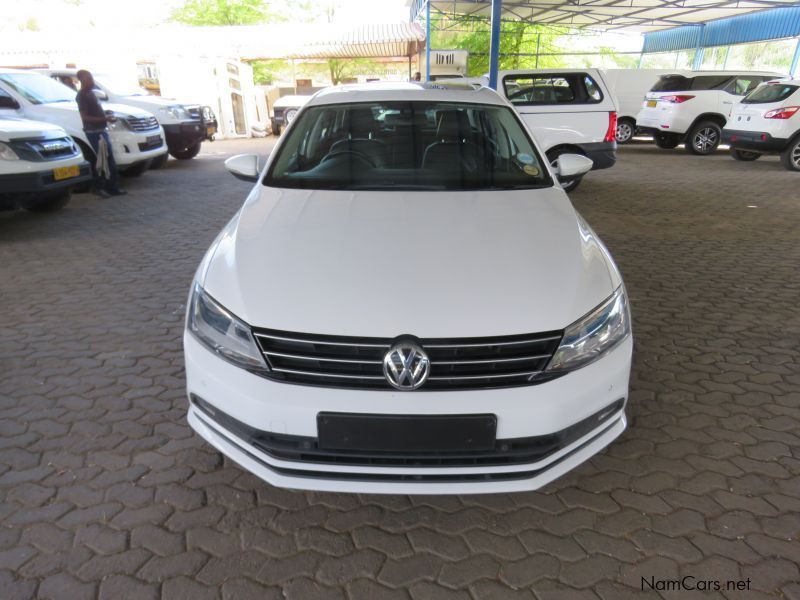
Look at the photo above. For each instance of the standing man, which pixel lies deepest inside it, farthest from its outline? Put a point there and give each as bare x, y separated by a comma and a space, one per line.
94, 125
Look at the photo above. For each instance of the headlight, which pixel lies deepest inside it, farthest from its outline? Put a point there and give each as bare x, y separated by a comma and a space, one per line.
221, 331
176, 112
6, 153
590, 337
121, 124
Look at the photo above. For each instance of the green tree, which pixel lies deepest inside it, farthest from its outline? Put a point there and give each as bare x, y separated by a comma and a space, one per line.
222, 12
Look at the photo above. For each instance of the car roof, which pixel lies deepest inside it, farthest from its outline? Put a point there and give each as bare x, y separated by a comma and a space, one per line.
689, 73
411, 91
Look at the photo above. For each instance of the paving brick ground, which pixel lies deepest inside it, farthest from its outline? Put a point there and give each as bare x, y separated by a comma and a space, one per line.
106, 493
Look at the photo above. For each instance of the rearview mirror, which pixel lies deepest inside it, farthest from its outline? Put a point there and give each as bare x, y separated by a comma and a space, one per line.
243, 166
572, 166
100, 94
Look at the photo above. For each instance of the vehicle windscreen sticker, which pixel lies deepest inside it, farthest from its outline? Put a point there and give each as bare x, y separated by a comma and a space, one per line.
531, 170
525, 159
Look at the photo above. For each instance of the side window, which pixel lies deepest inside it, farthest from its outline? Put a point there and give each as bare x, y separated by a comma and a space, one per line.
552, 89
745, 85
592, 90
539, 90
6, 101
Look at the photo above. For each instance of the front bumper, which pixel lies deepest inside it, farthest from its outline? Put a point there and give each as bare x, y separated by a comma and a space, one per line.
131, 147
602, 154
759, 141
184, 135
291, 411
38, 182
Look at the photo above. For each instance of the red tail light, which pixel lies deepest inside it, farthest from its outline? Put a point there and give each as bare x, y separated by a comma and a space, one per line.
781, 113
611, 132
680, 98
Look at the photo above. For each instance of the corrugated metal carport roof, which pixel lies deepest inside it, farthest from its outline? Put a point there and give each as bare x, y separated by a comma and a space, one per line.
637, 15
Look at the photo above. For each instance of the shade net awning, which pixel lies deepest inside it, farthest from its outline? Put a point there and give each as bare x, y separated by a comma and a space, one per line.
635, 15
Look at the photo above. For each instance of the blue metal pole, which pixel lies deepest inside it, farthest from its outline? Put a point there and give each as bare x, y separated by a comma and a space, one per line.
795, 61
427, 40
494, 44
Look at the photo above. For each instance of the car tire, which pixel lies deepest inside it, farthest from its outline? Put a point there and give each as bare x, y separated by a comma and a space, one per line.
626, 128
704, 138
136, 169
790, 158
666, 141
51, 203
186, 153
567, 186
745, 155
159, 161
275, 128
290, 114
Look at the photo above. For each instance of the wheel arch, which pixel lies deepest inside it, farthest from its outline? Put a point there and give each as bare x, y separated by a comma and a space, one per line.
710, 116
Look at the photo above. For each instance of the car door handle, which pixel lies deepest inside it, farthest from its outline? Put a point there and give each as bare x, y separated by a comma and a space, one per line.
727, 102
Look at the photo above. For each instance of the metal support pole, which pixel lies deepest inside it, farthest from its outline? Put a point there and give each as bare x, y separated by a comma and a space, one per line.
427, 40
494, 44
538, 39
641, 59
725, 62
699, 51
795, 61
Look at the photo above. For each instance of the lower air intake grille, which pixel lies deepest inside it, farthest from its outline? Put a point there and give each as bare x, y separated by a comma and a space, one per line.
456, 363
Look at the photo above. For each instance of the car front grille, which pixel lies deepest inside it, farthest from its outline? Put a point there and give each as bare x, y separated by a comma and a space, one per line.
142, 123
42, 150
456, 363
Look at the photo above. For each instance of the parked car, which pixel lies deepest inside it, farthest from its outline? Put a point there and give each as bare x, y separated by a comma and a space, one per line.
136, 137
767, 120
406, 303
285, 109
186, 126
693, 106
39, 164
629, 87
569, 111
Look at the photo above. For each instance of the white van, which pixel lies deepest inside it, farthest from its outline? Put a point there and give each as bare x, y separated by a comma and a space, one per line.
186, 126
136, 136
569, 111
629, 87
39, 164
693, 106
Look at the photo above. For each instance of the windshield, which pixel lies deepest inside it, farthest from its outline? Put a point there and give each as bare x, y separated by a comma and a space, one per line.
38, 89
407, 146
772, 92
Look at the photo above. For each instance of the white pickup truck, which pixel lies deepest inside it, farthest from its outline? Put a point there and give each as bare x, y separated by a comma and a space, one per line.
39, 164
136, 137
186, 126
569, 111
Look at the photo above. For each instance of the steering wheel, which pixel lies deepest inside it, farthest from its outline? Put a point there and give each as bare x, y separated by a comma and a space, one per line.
355, 153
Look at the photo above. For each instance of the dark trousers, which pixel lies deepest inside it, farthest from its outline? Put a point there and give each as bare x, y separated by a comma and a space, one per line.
101, 183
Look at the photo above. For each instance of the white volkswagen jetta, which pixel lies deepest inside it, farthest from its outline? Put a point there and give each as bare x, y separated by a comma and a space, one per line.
407, 303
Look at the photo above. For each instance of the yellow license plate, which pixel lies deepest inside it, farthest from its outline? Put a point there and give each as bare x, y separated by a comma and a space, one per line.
211, 130
66, 172
652, 103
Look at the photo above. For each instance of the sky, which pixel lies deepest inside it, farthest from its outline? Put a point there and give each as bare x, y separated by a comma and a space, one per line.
57, 14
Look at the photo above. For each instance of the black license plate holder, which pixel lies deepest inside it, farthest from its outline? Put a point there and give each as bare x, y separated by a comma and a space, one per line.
406, 433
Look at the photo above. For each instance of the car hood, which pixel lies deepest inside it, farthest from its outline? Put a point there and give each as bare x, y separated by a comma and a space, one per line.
122, 109
435, 264
12, 128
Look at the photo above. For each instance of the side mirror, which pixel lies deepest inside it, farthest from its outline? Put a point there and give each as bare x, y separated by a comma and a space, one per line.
243, 166
8, 102
572, 166
100, 94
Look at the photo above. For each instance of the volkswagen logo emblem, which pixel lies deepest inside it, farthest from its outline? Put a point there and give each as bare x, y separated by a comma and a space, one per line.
406, 366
